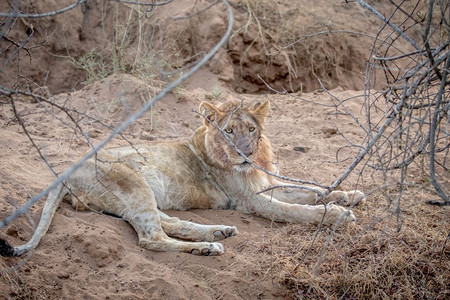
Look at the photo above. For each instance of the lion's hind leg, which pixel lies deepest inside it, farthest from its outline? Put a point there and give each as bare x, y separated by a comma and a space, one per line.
145, 219
151, 236
147, 223
112, 187
193, 231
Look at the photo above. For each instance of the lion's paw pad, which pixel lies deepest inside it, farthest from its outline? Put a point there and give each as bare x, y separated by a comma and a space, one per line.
349, 197
357, 197
350, 217
225, 233
212, 249
336, 212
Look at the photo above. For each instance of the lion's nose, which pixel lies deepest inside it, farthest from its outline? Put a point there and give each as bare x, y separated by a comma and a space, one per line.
245, 146
247, 153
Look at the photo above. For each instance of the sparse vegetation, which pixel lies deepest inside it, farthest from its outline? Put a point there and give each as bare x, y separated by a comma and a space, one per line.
96, 65
128, 50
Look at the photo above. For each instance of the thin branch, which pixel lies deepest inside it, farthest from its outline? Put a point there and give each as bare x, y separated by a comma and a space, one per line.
340, 103
196, 13
22, 124
399, 56
327, 32
386, 21
380, 132
293, 186
284, 92
153, 3
435, 183
425, 34
16, 14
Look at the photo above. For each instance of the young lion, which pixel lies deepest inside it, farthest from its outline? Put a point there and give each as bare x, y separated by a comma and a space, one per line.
137, 183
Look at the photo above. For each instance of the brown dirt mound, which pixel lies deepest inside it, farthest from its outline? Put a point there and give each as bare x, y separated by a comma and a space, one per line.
109, 37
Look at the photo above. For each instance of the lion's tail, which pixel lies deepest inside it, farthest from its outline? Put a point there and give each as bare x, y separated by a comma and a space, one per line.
54, 198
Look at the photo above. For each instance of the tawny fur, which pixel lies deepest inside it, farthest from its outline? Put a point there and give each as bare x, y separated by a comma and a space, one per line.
136, 183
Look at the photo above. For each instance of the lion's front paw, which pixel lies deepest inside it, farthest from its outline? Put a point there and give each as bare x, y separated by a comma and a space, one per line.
224, 233
356, 197
349, 197
336, 212
210, 249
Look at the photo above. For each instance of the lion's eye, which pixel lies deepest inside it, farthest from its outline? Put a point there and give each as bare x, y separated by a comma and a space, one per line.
229, 130
251, 129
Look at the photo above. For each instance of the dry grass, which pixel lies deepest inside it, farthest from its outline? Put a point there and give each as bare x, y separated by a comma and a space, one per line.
374, 259
129, 48
18, 289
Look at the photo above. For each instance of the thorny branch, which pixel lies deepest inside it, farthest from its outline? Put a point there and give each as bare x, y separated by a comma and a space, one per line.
412, 114
402, 120
410, 94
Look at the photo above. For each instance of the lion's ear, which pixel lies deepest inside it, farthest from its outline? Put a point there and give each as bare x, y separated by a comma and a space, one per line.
260, 111
209, 111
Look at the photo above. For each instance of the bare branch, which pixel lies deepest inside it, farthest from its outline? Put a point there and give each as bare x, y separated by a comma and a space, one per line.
197, 12
435, 183
153, 3
386, 21
16, 14
328, 32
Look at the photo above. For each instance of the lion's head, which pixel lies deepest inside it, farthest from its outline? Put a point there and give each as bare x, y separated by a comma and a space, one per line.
241, 124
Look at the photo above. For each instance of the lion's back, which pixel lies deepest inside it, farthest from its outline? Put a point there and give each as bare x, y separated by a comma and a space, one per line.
174, 173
